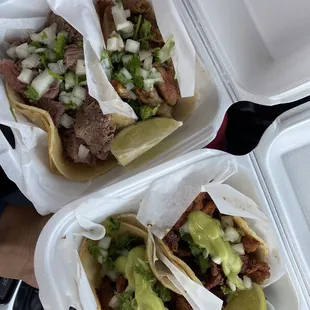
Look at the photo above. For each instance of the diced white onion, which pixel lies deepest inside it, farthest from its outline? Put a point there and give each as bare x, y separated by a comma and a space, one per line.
36, 37
205, 253
128, 31
31, 49
83, 152
80, 67
26, 76
62, 67
104, 253
77, 101
40, 50
112, 275
147, 65
144, 73
31, 62
105, 242
11, 52
79, 92
231, 234
100, 260
42, 82
69, 80
112, 44
125, 25
54, 67
126, 59
46, 36
22, 51
120, 43
126, 73
247, 282
119, 16
127, 13
129, 288
217, 260
130, 86
144, 54
105, 63
65, 97
132, 46
133, 95
239, 248
66, 121
51, 56
114, 302
149, 84
184, 229
231, 285
227, 221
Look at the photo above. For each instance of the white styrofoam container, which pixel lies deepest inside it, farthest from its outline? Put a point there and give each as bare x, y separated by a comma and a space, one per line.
268, 175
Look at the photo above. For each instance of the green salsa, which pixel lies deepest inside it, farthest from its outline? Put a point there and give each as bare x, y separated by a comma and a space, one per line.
207, 233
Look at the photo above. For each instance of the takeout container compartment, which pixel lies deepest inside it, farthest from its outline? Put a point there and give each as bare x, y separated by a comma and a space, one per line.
257, 178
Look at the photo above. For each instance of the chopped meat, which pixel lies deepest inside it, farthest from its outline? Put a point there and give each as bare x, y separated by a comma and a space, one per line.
184, 253
121, 89
258, 271
105, 293
71, 146
150, 98
168, 89
178, 302
209, 208
55, 108
73, 53
172, 240
95, 129
164, 111
10, 71
245, 260
250, 244
19, 41
121, 284
141, 7
108, 25
201, 202
53, 91
214, 276
62, 25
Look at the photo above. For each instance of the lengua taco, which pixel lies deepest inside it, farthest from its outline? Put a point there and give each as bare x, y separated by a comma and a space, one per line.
221, 252
120, 273
46, 81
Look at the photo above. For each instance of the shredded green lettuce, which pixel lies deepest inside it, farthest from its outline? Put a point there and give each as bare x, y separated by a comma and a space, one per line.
60, 45
32, 94
148, 112
55, 75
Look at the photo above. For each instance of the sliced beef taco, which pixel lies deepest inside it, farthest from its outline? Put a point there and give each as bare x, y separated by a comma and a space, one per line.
46, 81
221, 252
119, 270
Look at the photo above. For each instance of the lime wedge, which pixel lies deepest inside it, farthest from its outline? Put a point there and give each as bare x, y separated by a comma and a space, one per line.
253, 299
138, 138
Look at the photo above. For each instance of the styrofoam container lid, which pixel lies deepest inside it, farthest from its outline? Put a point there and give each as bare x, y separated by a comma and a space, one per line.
260, 47
283, 157
58, 288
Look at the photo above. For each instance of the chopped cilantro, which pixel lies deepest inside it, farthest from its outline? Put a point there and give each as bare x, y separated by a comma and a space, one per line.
55, 75
70, 106
110, 263
144, 269
121, 78
44, 35
117, 57
94, 249
145, 45
43, 60
165, 53
134, 65
36, 44
127, 242
226, 290
60, 45
137, 28
111, 225
195, 249
126, 301
80, 79
204, 263
138, 81
163, 292
148, 112
119, 3
32, 94
145, 30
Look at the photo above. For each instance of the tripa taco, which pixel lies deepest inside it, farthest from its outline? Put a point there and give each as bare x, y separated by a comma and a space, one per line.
221, 252
119, 271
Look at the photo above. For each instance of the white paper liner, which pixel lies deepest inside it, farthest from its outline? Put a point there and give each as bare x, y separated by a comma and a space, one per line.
169, 197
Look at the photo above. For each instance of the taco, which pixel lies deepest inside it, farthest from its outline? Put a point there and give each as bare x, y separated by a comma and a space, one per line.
221, 252
46, 82
119, 271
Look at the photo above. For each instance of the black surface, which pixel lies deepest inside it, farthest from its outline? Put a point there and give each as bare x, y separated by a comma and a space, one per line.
27, 298
7, 288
